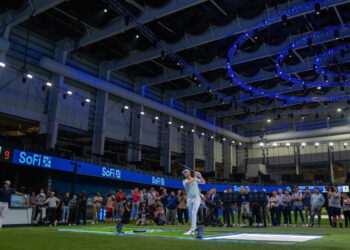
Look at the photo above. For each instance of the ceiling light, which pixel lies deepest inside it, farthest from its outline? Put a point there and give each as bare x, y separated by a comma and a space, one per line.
202, 133
317, 144
181, 126
169, 122
268, 120
331, 144
2, 65
192, 130
126, 107
288, 144
274, 144
261, 144
339, 110
137, 36
224, 139
157, 118
303, 144
105, 10
142, 113
49, 84
87, 100
69, 92
345, 144
240, 144
29, 76
212, 137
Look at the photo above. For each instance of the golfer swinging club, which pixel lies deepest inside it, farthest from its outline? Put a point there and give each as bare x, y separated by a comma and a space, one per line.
193, 194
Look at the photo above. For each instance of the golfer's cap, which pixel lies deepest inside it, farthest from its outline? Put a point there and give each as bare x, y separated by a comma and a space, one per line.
184, 171
52, 193
264, 190
7, 182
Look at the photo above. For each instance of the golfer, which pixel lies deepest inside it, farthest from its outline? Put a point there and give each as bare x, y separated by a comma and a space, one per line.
5, 199
193, 194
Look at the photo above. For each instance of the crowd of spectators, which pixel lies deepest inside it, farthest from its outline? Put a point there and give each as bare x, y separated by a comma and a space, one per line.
164, 207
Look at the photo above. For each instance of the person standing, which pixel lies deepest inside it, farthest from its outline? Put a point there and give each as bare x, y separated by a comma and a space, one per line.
244, 200
135, 203
82, 200
119, 197
52, 203
255, 210
151, 199
183, 209
191, 185
172, 203
72, 211
126, 213
316, 202
65, 205
33, 203
346, 209
40, 208
274, 201
267, 208
307, 204
280, 206
297, 205
335, 206
5, 199
98, 202
287, 207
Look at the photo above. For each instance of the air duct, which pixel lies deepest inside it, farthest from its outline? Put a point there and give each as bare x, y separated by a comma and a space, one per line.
95, 82
4, 44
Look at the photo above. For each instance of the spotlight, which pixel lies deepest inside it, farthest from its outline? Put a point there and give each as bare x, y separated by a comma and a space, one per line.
137, 36
331, 144
240, 144
30, 76
288, 144
192, 131
268, 120
87, 100
317, 8
105, 10
142, 113
317, 144
2, 65
69, 92
338, 110
156, 118
194, 77
126, 107
303, 144
345, 144
336, 34
261, 144
49, 84
224, 139
177, 64
274, 144
202, 133
319, 88
328, 116
212, 137
169, 122
181, 126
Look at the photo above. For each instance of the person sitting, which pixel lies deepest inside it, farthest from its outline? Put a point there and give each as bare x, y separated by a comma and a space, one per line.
143, 215
126, 213
159, 216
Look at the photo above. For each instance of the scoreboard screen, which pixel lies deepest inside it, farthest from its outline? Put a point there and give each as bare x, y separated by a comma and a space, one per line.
6, 154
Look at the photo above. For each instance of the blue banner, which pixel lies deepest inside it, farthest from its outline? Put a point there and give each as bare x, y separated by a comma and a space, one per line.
55, 163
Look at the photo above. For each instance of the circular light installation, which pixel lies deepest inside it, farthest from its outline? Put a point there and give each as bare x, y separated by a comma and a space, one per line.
298, 9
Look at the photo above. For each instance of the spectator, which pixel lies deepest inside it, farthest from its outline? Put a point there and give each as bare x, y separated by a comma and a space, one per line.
158, 199
346, 209
164, 198
297, 206
172, 203
244, 206
183, 209
151, 196
65, 205
335, 206
33, 203
280, 206
159, 216
126, 213
215, 201
229, 215
317, 201
307, 204
239, 206
267, 208
143, 215
52, 203
109, 211
135, 203
144, 196
82, 200
41, 208
274, 201
255, 211
98, 202
131, 196
73, 210
328, 209
118, 202
287, 207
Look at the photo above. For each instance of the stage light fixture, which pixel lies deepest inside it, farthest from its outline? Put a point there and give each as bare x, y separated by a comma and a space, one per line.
2, 65
331, 144
345, 144
126, 107
192, 130
224, 139
202, 133
49, 84
338, 110
181, 126
212, 137
30, 76
261, 144
287, 144
274, 144
303, 144
169, 122
69, 92
156, 118
105, 10
268, 120
87, 100
137, 36
317, 144
142, 113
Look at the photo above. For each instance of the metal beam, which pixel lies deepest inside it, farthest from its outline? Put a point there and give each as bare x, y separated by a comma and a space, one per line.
118, 25
218, 7
36, 7
213, 33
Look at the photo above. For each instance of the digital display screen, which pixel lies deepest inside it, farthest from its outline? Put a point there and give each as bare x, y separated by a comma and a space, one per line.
18, 201
5, 154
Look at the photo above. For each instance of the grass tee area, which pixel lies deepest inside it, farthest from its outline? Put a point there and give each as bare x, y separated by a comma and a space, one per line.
103, 236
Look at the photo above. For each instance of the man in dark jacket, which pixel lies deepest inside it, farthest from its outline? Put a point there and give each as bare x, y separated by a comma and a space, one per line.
171, 208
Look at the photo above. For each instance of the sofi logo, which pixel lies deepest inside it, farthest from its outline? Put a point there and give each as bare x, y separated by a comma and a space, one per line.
36, 160
111, 173
238, 188
158, 181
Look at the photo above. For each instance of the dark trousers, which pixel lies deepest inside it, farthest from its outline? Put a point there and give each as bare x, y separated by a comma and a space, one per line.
256, 214
274, 215
279, 214
201, 214
51, 214
287, 217
296, 209
239, 214
329, 212
347, 218
72, 215
81, 212
181, 212
313, 212
228, 214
